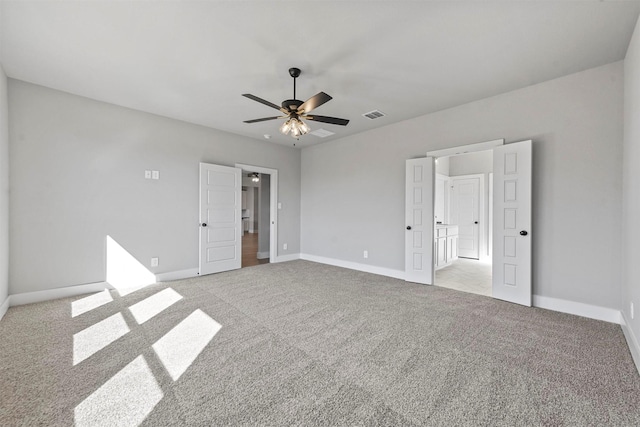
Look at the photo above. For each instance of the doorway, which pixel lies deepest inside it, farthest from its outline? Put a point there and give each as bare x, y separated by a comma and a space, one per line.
255, 218
509, 243
259, 222
462, 259
221, 218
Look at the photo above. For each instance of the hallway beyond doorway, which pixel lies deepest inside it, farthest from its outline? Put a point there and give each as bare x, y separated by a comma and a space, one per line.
250, 251
467, 275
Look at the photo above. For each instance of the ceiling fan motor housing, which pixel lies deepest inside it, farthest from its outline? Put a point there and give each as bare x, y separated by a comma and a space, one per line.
291, 104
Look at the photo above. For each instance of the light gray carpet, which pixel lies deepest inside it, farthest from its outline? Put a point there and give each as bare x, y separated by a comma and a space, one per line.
307, 344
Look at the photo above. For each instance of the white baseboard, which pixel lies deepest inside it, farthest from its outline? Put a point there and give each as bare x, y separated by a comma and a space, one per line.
177, 275
610, 315
289, 257
49, 294
262, 255
632, 341
5, 306
396, 274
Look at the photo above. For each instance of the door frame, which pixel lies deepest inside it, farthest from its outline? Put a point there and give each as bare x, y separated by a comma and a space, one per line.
273, 205
464, 149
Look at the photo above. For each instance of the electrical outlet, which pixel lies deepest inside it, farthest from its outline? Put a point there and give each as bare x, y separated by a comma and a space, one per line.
284, 246
631, 310
154, 262
366, 254
155, 174
147, 174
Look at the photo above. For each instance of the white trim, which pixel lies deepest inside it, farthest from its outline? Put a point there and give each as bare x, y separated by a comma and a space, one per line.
285, 258
263, 255
606, 314
632, 341
464, 149
49, 294
490, 219
273, 209
177, 275
396, 274
5, 306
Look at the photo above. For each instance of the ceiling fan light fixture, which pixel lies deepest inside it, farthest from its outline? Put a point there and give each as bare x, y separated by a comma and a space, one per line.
296, 126
304, 128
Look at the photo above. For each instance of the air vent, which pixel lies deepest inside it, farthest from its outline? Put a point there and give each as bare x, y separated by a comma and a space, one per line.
322, 133
375, 114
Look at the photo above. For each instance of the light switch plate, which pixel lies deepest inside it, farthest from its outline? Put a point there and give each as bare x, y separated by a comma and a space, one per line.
155, 174
154, 262
147, 174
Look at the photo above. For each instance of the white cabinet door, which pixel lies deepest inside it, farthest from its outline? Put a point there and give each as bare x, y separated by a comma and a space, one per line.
452, 248
441, 244
419, 220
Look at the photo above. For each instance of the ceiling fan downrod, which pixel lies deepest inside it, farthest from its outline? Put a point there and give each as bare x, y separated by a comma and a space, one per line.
295, 73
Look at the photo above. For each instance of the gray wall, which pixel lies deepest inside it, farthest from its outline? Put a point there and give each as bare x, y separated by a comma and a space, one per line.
472, 163
77, 175
631, 186
353, 188
4, 189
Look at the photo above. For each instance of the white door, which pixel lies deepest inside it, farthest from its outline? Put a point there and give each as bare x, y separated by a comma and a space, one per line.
512, 223
220, 218
466, 214
419, 220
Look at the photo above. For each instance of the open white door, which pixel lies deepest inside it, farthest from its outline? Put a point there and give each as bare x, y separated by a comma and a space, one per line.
220, 218
465, 213
512, 223
418, 253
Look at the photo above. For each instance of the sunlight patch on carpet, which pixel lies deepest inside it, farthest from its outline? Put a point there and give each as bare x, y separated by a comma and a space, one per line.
154, 305
125, 400
179, 347
96, 337
91, 302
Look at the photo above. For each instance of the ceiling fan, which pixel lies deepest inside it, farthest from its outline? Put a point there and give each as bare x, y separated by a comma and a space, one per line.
295, 110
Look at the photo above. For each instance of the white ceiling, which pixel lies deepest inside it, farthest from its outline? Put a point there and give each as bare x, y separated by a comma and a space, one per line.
192, 60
